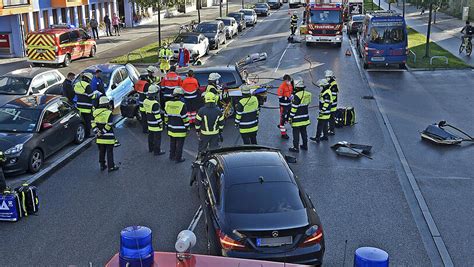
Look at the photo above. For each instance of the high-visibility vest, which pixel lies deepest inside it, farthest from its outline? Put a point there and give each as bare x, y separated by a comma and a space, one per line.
299, 114
325, 104
176, 118
153, 79
215, 90
294, 21
334, 91
84, 99
190, 86
209, 120
103, 122
247, 114
153, 115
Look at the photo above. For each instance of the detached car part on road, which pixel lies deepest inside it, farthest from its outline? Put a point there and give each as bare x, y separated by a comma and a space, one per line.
255, 207
33, 128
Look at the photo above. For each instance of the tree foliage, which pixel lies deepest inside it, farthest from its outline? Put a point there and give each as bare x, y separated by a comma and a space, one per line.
154, 3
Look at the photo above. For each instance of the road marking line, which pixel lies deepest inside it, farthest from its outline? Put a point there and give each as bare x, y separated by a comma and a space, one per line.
282, 55
195, 220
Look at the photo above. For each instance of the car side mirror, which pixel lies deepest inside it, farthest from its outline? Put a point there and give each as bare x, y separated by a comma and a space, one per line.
290, 159
114, 86
46, 125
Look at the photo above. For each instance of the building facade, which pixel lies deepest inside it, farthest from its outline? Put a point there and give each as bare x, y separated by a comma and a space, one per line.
19, 17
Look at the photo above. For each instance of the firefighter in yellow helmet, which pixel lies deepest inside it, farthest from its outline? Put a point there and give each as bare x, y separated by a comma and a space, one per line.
103, 126
209, 123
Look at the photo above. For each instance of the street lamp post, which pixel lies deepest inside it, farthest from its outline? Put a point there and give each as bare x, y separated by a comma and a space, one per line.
198, 7
427, 49
242, 3
159, 23
220, 8
227, 6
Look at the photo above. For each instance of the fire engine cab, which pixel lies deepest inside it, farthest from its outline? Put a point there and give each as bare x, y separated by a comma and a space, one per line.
59, 44
324, 24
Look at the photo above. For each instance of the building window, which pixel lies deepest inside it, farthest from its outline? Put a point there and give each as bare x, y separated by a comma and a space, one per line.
15, 2
45, 18
63, 15
72, 15
36, 20
55, 16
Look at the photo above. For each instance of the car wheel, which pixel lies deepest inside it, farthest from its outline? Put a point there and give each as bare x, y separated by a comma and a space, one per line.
93, 51
402, 66
207, 51
67, 60
366, 65
80, 134
35, 161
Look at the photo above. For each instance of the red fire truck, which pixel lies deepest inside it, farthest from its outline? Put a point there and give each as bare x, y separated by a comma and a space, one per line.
324, 24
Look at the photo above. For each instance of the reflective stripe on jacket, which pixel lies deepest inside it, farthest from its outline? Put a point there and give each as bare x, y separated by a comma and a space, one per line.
294, 21
246, 117
171, 79
103, 124
209, 120
284, 92
325, 104
190, 86
84, 95
299, 114
153, 115
334, 92
215, 90
176, 118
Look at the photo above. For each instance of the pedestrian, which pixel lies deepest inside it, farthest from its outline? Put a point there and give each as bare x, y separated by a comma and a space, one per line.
183, 56
331, 78
177, 122
152, 76
154, 120
165, 54
246, 118
103, 125
68, 89
168, 84
94, 27
108, 22
209, 124
213, 85
285, 95
115, 24
85, 97
141, 87
3, 183
299, 116
191, 86
294, 23
324, 112
97, 86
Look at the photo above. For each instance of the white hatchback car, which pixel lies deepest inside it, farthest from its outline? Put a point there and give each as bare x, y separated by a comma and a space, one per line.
231, 26
250, 16
196, 43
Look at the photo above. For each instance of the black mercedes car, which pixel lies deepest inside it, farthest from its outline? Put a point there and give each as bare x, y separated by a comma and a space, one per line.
256, 208
34, 127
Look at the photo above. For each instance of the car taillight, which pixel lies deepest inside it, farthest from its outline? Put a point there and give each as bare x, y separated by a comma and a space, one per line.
315, 235
228, 243
366, 49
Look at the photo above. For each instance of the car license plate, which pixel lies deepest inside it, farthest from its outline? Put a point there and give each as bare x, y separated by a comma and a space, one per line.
274, 241
40, 51
378, 58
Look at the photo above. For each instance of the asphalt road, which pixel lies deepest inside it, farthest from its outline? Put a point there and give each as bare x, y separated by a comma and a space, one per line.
365, 202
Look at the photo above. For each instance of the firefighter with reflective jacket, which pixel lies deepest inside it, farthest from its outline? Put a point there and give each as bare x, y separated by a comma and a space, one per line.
154, 120
294, 23
324, 111
191, 98
213, 85
165, 54
209, 124
285, 95
168, 84
329, 74
102, 125
85, 97
177, 121
299, 116
246, 118
141, 87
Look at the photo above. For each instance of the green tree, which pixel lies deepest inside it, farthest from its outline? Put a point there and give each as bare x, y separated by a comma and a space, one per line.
154, 3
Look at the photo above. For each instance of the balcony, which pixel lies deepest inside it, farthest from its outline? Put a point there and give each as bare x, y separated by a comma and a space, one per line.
68, 3
13, 7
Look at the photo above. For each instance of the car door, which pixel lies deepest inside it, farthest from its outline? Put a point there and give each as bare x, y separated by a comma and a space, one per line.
52, 130
85, 46
51, 79
75, 43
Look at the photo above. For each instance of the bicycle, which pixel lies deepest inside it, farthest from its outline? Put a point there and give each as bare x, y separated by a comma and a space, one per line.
467, 45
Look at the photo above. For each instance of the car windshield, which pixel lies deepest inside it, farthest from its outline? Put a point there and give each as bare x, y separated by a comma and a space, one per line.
247, 12
10, 85
187, 39
205, 27
270, 197
235, 16
260, 6
18, 119
387, 35
226, 22
325, 16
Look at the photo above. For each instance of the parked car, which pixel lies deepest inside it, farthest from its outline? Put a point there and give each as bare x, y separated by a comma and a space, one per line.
245, 220
214, 31
231, 26
32, 128
275, 4
355, 23
262, 9
250, 16
28, 81
196, 43
240, 18
118, 80
59, 44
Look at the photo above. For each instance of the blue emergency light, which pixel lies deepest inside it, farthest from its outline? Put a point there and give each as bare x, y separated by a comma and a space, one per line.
370, 257
136, 248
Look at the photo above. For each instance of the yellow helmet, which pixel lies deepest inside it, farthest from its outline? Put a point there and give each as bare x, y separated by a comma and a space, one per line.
209, 97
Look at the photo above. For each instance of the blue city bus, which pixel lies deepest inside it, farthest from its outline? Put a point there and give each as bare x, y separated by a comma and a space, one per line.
383, 39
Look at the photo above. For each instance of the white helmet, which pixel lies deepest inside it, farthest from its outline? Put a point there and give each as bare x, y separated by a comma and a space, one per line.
151, 69
214, 76
298, 82
178, 91
153, 89
245, 88
103, 100
328, 74
295, 13
87, 75
322, 83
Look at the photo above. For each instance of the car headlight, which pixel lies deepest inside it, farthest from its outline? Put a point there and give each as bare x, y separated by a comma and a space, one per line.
338, 32
14, 150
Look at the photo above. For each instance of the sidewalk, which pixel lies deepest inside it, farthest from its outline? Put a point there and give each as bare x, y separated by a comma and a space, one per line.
445, 32
151, 28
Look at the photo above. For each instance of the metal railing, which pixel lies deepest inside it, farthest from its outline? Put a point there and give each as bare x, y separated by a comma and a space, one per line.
440, 57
